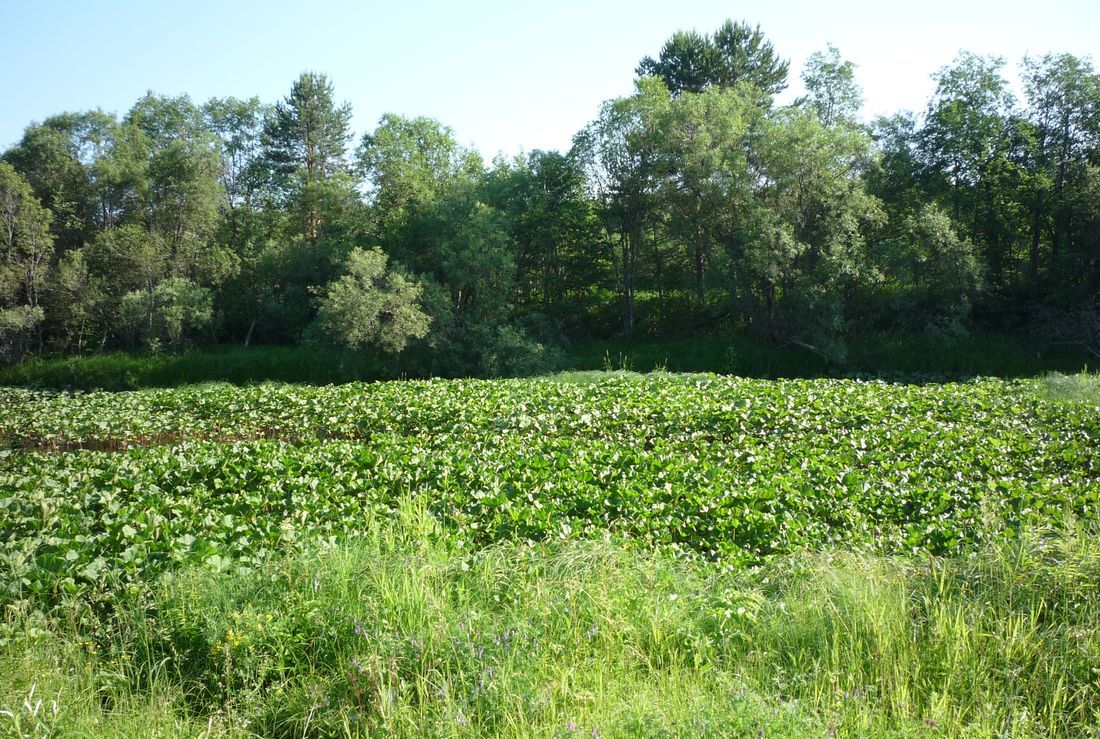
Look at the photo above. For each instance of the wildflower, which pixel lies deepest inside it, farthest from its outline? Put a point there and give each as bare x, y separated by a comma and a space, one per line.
460, 718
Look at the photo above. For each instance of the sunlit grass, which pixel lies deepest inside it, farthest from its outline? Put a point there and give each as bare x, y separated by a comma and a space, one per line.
1082, 388
400, 633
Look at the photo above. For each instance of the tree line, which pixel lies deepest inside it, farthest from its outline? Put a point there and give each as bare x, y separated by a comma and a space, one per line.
695, 205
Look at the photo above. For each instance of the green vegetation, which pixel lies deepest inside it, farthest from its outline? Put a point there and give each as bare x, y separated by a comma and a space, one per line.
121, 371
696, 208
654, 555
1083, 388
651, 533
912, 358
399, 633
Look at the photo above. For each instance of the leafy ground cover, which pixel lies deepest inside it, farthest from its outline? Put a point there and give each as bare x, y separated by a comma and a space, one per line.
727, 468
628, 555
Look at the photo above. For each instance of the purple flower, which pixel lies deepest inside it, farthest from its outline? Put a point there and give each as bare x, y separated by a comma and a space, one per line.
571, 726
460, 718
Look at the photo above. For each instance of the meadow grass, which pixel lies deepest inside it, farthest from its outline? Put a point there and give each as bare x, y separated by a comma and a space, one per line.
401, 633
121, 371
913, 358
1082, 388
908, 358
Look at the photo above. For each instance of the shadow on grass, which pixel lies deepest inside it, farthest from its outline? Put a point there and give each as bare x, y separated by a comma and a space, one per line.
915, 359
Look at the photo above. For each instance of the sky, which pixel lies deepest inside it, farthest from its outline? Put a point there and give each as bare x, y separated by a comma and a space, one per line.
506, 76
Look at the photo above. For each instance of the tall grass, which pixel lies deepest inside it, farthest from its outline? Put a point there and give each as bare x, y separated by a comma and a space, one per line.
120, 371
911, 358
405, 633
1081, 388
915, 357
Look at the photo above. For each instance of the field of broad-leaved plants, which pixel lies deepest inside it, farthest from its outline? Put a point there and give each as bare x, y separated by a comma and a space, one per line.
127, 485
590, 554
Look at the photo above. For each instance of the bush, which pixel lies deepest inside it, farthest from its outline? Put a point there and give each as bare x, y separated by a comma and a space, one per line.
509, 352
370, 306
168, 312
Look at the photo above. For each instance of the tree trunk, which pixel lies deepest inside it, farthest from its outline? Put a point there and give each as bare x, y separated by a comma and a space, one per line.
701, 275
659, 269
1033, 258
248, 336
629, 242
1092, 287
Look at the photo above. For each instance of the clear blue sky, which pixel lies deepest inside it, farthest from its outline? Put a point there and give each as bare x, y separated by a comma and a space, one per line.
507, 76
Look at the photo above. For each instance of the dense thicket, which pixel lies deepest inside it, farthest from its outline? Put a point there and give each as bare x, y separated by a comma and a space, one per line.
695, 205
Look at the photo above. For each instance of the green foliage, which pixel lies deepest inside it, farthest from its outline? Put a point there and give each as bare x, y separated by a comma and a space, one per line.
965, 145
26, 245
607, 553
66, 159
1062, 134
705, 179
399, 633
371, 306
1082, 388
618, 149
698, 465
305, 141
936, 272
694, 207
78, 297
17, 325
561, 249
927, 357
437, 213
406, 162
180, 306
308, 132
508, 351
438, 557
803, 249
128, 258
736, 53
831, 88
118, 371
166, 313
26, 248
